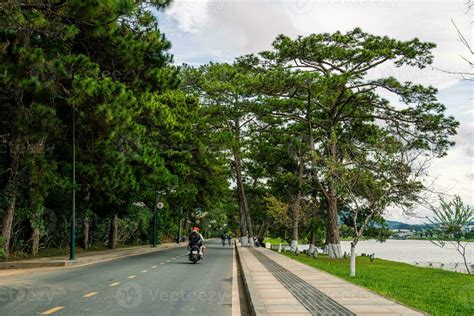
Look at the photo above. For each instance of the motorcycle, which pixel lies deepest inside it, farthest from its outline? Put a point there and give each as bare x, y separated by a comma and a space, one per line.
194, 255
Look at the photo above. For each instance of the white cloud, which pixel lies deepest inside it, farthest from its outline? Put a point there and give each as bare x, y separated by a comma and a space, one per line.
237, 27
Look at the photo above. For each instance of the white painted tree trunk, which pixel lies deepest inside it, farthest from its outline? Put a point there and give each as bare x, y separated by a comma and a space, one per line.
334, 251
294, 245
244, 241
311, 249
251, 242
279, 248
353, 261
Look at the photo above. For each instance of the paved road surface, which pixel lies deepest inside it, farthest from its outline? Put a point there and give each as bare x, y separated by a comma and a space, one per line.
162, 283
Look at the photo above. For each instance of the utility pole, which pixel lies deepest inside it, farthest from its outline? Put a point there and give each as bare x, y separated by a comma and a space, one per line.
72, 255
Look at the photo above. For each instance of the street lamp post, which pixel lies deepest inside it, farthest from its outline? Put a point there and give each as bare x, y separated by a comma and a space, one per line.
157, 206
72, 255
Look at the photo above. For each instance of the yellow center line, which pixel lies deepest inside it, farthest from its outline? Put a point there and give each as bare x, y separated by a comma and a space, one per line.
153, 267
90, 294
52, 310
131, 277
144, 271
114, 284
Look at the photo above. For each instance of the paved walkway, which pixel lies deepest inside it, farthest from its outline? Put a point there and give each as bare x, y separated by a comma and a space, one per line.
84, 257
279, 285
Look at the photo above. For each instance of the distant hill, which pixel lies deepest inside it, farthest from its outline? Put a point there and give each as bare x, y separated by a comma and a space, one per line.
415, 227
400, 225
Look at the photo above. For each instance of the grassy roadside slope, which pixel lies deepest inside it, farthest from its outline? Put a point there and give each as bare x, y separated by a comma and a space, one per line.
434, 291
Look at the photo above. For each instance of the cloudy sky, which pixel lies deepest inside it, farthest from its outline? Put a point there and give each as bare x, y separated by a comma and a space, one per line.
220, 30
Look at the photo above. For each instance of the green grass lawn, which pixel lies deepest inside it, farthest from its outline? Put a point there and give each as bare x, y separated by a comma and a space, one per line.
434, 291
276, 241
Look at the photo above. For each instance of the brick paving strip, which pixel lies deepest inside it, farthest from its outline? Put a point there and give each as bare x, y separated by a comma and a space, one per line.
314, 300
330, 289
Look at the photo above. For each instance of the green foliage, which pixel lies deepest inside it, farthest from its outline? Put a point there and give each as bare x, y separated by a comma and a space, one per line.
451, 219
301, 129
137, 133
277, 211
449, 224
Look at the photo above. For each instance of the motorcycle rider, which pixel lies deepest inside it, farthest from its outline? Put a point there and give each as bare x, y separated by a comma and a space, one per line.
229, 238
223, 238
196, 239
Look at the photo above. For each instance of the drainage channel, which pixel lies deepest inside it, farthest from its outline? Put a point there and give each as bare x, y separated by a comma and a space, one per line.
312, 299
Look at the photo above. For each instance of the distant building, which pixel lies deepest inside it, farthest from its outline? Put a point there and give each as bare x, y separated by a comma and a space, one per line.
402, 233
469, 228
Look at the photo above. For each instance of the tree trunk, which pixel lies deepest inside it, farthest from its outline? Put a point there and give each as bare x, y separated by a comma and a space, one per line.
35, 238
113, 231
243, 201
333, 243
262, 231
353, 259
312, 242
297, 207
37, 196
85, 233
7, 225
12, 194
333, 246
243, 222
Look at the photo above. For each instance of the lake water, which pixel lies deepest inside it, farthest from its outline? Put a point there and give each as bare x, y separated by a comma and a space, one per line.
410, 251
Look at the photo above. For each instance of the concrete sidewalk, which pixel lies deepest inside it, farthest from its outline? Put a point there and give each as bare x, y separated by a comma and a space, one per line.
279, 285
85, 257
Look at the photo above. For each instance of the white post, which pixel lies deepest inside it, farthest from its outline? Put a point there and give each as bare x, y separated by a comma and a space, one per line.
294, 245
353, 260
251, 242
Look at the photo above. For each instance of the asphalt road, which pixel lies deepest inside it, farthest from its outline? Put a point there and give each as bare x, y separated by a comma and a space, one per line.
161, 283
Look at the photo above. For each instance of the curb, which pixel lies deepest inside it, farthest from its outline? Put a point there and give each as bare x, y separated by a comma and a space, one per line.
63, 263
256, 306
